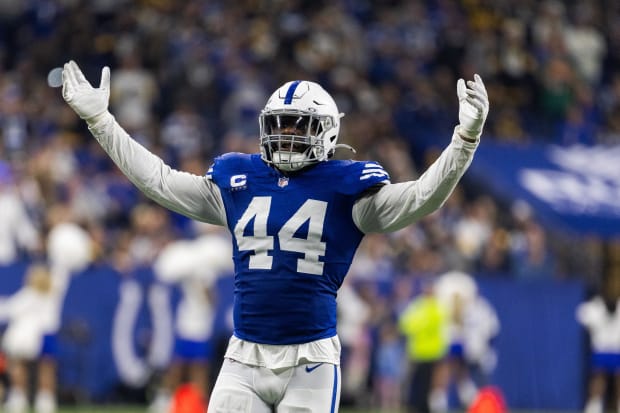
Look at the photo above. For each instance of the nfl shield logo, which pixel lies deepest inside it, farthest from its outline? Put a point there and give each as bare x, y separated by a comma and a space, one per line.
282, 182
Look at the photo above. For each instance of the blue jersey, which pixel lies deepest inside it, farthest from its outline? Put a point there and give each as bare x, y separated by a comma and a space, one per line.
293, 243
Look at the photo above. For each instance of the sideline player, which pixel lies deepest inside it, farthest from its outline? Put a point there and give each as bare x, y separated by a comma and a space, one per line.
296, 218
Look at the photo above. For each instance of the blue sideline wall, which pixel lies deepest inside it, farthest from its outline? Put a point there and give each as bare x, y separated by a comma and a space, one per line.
541, 348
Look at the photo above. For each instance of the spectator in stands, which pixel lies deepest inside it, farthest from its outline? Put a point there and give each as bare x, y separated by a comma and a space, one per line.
184, 133
18, 233
390, 367
473, 231
134, 90
585, 43
530, 254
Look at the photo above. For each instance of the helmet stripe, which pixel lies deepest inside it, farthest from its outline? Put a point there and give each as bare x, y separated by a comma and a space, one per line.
290, 92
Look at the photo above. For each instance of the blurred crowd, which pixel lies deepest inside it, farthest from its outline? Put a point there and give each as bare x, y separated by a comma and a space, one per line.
190, 78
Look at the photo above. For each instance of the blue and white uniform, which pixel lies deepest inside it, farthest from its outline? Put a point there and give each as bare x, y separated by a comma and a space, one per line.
603, 327
293, 241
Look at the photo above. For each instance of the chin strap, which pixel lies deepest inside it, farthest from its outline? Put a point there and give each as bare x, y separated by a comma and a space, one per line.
345, 146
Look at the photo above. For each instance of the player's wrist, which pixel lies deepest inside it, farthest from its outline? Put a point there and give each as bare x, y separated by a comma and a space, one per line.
98, 118
471, 136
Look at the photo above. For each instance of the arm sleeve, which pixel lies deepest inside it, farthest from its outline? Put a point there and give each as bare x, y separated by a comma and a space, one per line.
398, 205
194, 196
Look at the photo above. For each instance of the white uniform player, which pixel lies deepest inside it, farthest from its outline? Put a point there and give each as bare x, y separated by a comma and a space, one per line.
33, 315
297, 218
473, 325
194, 265
600, 316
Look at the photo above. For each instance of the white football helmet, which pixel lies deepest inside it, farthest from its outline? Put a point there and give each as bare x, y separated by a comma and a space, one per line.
299, 126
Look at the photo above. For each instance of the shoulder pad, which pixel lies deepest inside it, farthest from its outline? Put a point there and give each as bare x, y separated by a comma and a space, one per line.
226, 167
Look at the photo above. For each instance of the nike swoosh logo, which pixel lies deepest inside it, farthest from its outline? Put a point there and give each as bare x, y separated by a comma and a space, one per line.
310, 369
318, 103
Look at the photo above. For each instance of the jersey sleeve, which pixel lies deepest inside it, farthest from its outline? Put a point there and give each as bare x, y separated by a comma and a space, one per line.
191, 195
362, 175
397, 205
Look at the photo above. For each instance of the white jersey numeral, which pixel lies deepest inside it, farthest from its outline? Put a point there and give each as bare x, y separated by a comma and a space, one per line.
312, 247
312, 211
260, 242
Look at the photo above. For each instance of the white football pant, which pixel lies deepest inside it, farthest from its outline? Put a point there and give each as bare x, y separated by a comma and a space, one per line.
308, 388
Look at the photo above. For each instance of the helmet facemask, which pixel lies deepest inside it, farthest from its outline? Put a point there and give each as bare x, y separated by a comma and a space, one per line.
292, 139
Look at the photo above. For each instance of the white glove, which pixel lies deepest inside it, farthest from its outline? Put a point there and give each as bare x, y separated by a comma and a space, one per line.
473, 107
89, 103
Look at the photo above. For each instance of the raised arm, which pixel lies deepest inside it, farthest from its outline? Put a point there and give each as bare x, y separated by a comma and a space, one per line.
397, 205
194, 196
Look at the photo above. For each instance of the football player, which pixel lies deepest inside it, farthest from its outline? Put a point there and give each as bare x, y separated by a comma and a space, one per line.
296, 218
